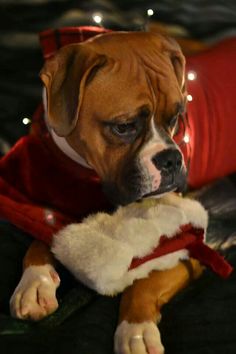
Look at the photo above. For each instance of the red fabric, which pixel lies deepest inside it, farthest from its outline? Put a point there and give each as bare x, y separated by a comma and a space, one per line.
53, 39
211, 113
36, 177
189, 238
33, 219
210, 258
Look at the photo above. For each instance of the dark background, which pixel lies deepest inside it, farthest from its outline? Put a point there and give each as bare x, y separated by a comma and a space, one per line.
20, 54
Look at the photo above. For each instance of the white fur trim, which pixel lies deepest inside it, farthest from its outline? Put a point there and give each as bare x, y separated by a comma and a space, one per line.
99, 250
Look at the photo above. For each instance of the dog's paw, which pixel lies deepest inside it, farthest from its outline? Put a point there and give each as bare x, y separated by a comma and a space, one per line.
35, 296
138, 338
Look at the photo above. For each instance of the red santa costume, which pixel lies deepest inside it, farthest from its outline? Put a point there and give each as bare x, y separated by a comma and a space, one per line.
42, 189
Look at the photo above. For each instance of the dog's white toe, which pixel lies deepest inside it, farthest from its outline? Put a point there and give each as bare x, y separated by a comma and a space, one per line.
138, 338
35, 296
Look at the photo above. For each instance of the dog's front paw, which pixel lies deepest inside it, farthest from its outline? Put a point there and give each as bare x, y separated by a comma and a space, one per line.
138, 338
35, 296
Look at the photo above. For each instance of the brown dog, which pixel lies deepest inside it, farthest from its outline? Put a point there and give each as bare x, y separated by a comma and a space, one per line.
114, 101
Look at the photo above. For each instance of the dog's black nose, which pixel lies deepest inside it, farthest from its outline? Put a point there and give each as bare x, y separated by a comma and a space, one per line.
168, 161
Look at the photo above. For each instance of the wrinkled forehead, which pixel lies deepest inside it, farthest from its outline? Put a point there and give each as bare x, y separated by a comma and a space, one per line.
138, 72
119, 88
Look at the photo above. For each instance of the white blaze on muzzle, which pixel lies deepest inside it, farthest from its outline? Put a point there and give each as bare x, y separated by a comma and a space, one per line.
155, 145
146, 157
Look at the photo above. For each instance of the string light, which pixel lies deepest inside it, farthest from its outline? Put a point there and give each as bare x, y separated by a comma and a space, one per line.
49, 216
150, 12
186, 138
26, 121
97, 17
189, 98
192, 75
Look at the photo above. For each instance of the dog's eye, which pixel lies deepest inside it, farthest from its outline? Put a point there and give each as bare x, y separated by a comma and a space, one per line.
124, 130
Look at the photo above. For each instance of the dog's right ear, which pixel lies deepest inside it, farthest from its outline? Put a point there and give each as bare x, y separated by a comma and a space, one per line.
65, 77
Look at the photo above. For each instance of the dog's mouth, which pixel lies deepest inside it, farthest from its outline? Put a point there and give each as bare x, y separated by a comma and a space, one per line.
117, 198
163, 190
170, 184
134, 187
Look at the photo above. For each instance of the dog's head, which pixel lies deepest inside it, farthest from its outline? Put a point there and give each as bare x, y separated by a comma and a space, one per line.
116, 99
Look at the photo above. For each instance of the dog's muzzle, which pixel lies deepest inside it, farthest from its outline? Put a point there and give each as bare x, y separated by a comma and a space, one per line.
170, 164
134, 185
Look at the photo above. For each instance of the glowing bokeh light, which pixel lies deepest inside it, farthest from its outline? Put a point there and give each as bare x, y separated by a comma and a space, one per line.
191, 75
97, 17
150, 12
189, 98
186, 138
26, 121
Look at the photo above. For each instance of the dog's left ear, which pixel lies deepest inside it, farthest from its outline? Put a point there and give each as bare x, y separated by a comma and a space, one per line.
169, 65
65, 77
177, 59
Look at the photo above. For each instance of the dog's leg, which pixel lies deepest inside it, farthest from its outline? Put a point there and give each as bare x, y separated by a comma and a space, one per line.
35, 295
140, 306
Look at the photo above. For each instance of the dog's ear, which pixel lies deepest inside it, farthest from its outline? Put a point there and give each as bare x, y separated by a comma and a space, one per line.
177, 59
65, 77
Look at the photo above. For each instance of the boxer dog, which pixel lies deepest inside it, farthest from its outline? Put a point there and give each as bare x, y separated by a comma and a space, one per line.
116, 100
